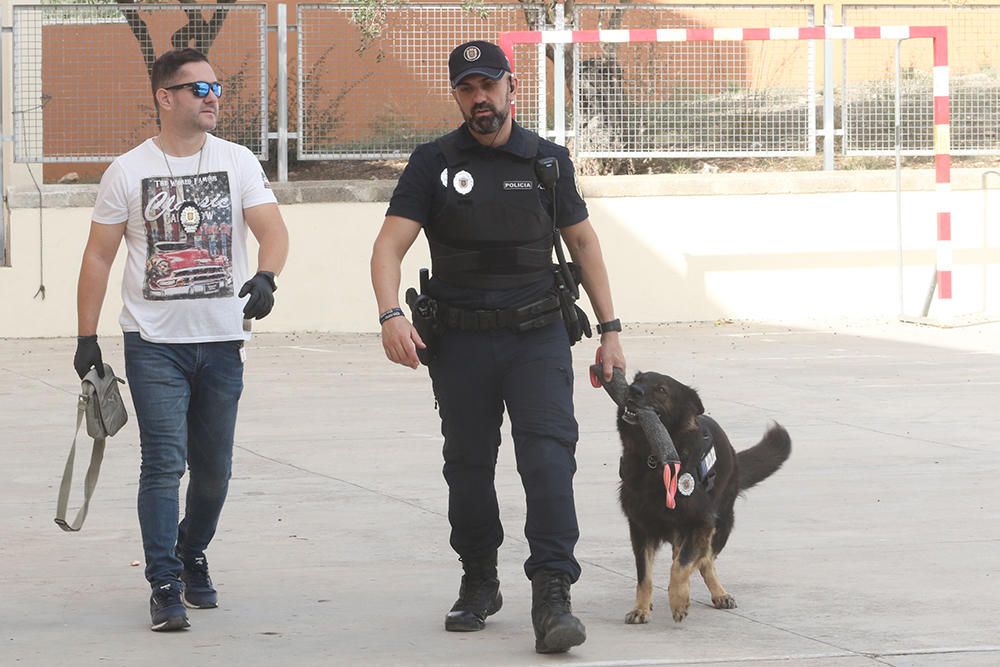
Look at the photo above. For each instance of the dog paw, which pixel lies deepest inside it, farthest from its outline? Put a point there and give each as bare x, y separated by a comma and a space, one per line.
680, 614
726, 601
637, 616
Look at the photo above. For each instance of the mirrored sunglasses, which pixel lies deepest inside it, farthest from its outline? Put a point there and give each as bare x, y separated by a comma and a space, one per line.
200, 88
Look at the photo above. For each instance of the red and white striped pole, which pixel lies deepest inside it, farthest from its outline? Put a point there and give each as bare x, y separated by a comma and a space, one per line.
942, 115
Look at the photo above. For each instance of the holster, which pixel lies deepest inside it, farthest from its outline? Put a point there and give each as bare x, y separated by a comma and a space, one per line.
576, 321
423, 314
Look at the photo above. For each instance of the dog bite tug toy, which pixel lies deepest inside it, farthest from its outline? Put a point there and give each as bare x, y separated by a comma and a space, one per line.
654, 430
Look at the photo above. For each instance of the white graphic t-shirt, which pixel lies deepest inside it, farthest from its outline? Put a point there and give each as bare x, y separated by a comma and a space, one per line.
186, 238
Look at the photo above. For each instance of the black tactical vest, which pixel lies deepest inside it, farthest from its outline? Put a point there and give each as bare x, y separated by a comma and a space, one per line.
493, 232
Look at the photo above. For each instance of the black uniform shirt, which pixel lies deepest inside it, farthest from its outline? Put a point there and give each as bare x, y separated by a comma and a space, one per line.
420, 196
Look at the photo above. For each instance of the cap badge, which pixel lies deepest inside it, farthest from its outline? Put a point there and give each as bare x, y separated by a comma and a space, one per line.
472, 53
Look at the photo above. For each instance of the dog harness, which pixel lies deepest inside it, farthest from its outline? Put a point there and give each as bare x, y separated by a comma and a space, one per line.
656, 433
675, 481
706, 462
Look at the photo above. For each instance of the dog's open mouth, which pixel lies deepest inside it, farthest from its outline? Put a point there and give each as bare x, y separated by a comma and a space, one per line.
629, 416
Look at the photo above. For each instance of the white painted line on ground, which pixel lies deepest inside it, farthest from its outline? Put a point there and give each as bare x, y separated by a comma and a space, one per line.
930, 384
671, 334
941, 650
821, 357
804, 332
714, 661
944, 650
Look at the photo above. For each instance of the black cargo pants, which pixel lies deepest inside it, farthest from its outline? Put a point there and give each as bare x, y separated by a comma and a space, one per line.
477, 374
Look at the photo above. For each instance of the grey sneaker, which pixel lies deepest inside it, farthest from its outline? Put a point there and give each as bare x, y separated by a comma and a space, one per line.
198, 590
166, 609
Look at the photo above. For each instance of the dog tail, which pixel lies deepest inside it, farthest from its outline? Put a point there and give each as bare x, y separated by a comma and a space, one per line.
763, 459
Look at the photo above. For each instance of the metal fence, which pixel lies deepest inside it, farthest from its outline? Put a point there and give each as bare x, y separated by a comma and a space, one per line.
81, 79
869, 87
81, 75
376, 96
694, 99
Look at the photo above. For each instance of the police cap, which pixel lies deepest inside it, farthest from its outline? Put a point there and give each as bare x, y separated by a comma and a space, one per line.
476, 57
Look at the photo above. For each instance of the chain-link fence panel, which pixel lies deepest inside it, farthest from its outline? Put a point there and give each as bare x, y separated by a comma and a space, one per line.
375, 93
869, 97
81, 75
697, 98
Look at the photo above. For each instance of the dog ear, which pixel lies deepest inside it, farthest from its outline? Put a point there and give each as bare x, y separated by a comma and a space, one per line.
695, 401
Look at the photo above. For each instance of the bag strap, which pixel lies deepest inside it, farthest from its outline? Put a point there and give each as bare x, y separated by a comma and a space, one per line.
90, 481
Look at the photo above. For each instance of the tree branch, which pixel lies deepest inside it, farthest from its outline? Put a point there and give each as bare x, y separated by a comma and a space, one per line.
199, 33
141, 32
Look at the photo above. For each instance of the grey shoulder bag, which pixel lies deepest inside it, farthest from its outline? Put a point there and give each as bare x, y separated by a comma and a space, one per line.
100, 403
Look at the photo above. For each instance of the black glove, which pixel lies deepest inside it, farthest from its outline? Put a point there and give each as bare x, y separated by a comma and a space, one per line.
88, 355
261, 289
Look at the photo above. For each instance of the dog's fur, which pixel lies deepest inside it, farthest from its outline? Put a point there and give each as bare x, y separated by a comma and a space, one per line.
699, 526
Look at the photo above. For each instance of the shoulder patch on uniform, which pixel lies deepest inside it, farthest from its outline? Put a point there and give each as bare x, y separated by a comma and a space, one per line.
444, 177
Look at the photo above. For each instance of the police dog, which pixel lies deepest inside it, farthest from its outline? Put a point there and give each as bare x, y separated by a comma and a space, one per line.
699, 524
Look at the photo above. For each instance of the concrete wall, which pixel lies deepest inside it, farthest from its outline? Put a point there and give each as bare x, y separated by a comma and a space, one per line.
787, 248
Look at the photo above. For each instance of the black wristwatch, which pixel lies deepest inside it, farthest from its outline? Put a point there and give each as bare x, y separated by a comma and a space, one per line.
613, 325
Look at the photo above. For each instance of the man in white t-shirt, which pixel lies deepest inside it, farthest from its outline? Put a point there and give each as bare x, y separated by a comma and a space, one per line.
183, 316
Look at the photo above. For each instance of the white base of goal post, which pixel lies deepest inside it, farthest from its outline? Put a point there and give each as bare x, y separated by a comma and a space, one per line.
943, 306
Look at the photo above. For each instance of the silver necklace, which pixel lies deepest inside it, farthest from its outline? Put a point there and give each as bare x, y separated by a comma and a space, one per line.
188, 213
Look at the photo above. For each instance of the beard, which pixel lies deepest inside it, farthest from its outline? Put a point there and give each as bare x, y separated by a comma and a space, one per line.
488, 124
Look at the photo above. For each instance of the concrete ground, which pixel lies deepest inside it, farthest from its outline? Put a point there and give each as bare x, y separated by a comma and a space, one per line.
877, 544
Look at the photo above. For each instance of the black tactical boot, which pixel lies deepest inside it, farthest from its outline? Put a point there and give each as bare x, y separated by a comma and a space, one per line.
556, 628
478, 597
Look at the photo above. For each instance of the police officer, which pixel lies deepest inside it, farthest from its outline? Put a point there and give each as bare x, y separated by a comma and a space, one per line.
502, 342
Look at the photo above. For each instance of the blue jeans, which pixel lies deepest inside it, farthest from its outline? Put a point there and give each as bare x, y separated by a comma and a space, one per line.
185, 398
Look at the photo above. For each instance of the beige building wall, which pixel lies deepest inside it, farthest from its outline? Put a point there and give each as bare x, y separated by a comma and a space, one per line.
785, 248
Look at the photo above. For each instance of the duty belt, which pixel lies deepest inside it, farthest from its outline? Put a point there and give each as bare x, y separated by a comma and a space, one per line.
534, 315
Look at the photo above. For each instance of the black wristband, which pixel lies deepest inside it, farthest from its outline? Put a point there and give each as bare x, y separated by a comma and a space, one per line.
612, 325
389, 314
